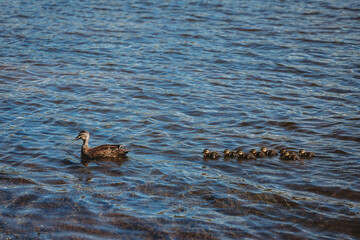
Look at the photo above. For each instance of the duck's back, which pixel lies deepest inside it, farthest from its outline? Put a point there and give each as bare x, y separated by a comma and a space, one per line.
107, 151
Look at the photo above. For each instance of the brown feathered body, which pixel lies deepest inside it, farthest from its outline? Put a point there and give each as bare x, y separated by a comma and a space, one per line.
289, 157
210, 155
304, 154
245, 156
283, 151
269, 153
103, 151
257, 154
230, 154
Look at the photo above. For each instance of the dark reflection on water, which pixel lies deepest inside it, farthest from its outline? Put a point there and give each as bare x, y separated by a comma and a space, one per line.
116, 161
168, 79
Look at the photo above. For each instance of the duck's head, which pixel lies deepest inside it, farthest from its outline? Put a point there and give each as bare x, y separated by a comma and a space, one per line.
263, 149
286, 154
283, 151
302, 151
239, 152
226, 151
83, 135
206, 151
253, 151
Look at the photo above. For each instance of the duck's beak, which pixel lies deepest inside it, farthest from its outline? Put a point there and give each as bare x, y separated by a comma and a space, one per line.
78, 137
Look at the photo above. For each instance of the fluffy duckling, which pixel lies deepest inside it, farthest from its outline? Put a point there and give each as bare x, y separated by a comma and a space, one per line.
212, 155
245, 156
230, 154
283, 151
100, 152
291, 157
269, 153
257, 154
304, 154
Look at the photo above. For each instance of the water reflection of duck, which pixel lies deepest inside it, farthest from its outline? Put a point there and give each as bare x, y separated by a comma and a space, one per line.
245, 156
230, 154
100, 152
304, 154
208, 154
257, 154
288, 156
269, 153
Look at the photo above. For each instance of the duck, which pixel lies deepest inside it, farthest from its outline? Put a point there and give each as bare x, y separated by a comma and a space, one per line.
107, 151
288, 156
245, 156
230, 154
212, 155
257, 154
304, 154
283, 151
269, 153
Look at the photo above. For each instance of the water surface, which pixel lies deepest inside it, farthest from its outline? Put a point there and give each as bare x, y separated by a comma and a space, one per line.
168, 79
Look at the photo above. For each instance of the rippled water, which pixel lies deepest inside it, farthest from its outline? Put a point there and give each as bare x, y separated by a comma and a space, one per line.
168, 79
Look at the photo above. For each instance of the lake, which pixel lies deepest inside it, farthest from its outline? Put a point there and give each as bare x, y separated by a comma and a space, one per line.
168, 79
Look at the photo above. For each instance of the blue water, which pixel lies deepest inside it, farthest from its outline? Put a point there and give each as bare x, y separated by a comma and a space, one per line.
168, 79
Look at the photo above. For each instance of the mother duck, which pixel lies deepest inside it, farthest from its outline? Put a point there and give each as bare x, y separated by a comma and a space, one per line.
100, 152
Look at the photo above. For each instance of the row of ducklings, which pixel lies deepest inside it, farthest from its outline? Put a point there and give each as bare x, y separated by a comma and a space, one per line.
253, 154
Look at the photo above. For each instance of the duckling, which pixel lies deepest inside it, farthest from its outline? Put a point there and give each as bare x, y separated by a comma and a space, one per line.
257, 154
304, 154
269, 153
230, 154
283, 151
214, 155
291, 157
283, 154
208, 154
245, 156
100, 152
